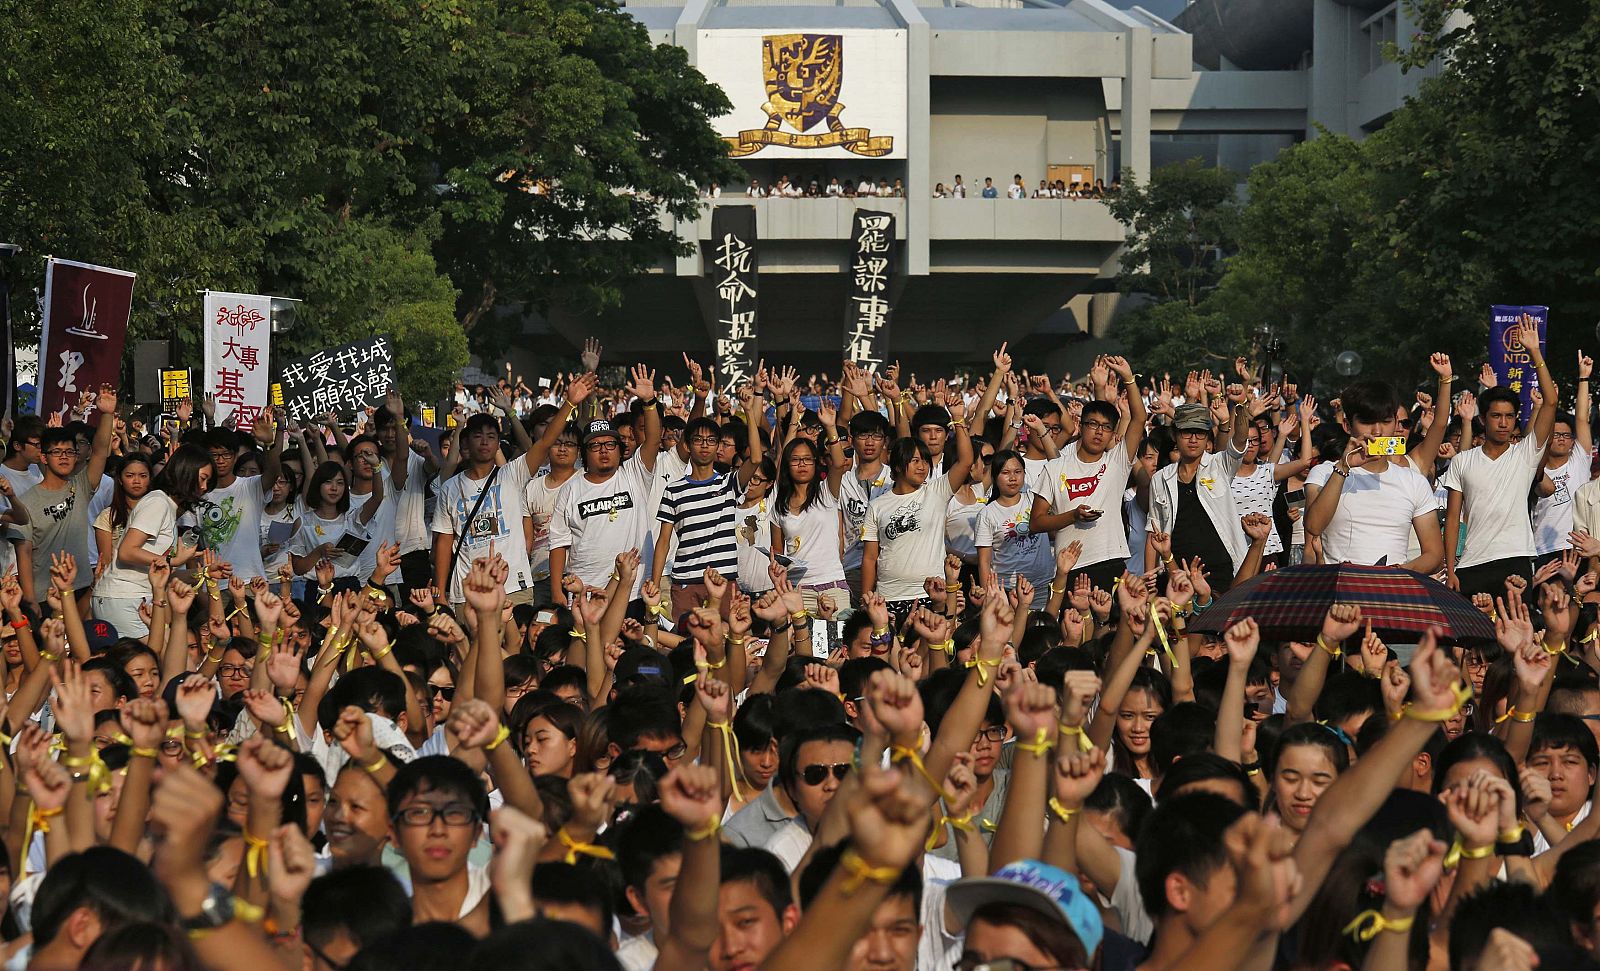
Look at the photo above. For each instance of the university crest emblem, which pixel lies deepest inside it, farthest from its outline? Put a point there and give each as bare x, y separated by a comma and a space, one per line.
804, 74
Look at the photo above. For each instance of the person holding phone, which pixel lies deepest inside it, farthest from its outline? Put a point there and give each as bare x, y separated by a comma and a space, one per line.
1192, 508
1365, 508
1078, 487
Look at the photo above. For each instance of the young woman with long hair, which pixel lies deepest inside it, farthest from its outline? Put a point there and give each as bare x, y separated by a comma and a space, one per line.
809, 525
326, 521
153, 529
118, 590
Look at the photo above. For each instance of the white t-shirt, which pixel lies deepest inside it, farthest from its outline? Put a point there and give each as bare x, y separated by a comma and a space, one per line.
117, 581
156, 516
1373, 519
291, 512
1069, 482
230, 521
961, 526
909, 531
380, 528
812, 537
1254, 493
752, 532
497, 527
1029, 555
1494, 500
1552, 515
542, 498
855, 495
594, 522
315, 531
410, 515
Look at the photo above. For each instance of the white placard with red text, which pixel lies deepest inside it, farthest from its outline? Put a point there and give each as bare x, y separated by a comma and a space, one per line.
238, 332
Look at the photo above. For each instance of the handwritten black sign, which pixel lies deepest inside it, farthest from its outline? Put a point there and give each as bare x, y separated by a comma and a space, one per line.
342, 379
866, 327
732, 269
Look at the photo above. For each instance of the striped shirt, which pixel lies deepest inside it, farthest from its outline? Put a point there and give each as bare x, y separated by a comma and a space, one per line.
702, 514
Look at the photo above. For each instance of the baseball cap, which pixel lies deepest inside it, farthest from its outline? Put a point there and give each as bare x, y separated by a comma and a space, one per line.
640, 664
101, 635
599, 428
1192, 418
1040, 887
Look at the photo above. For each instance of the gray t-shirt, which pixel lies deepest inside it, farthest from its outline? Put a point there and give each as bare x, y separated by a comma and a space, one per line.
58, 521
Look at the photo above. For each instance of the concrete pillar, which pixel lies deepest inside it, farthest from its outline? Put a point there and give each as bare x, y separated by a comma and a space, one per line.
687, 36
919, 106
1139, 53
1332, 71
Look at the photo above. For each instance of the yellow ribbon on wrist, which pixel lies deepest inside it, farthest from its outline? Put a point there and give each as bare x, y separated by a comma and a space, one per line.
500, 735
729, 745
1370, 923
576, 848
904, 753
1061, 811
980, 663
859, 872
1085, 744
712, 827
255, 853
1041, 745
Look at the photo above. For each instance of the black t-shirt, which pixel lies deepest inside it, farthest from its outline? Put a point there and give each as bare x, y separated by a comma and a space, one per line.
1194, 535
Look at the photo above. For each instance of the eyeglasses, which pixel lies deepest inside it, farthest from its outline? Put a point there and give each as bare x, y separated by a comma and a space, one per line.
869, 436
422, 814
606, 446
994, 733
62, 452
235, 670
703, 440
802, 460
815, 775
1099, 426
1560, 434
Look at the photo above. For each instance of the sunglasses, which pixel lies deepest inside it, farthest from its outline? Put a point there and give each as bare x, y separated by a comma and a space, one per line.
815, 775
445, 691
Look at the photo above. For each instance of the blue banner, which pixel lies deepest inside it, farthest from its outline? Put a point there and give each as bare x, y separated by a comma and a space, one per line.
1513, 365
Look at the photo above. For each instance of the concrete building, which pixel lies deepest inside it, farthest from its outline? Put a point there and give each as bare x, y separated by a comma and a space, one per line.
915, 93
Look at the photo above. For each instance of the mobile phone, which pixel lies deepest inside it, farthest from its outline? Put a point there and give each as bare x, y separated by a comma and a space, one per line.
1250, 709
1390, 445
545, 617
1296, 498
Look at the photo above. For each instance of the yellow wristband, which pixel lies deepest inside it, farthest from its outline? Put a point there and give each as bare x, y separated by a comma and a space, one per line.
501, 734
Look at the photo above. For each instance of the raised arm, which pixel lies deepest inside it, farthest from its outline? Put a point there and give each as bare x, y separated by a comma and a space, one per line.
1527, 335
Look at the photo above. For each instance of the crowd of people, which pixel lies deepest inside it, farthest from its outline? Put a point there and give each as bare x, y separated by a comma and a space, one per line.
653, 676
833, 188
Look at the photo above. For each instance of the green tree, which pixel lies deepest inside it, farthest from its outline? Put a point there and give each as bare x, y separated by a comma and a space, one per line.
1182, 225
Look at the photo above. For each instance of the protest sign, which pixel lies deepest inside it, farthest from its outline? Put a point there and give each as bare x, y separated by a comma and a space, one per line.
733, 273
1512, 365
85, 326
237, 331
866, 328
342, 379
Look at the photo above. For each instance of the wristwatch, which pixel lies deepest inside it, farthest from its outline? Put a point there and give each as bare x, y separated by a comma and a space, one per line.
216, 910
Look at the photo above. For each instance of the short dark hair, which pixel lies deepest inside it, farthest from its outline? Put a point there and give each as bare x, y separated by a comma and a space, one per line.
1204, 766
1553, 731
929, 414
867, 422
703, 424
1185, 729
1122, 799
370, 689
438, 773
802, 708
642, 710
789, 748
747, 864
1372, 401
1501, 395
1183, 835
366, 902
1041, 407
649, 836
114, 885
754, 724
1516, 907
25, 427
1104, 410
1575, 887
121, 685
481, 420
570, 883
542, 943
903, 451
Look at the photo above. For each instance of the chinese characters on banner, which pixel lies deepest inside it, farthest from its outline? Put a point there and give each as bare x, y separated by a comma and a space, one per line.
732, 271
343, 379
174, 388
85, 326
1513, 365
238, 330
866, 327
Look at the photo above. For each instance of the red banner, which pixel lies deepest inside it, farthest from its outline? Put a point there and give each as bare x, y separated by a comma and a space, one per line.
85, 327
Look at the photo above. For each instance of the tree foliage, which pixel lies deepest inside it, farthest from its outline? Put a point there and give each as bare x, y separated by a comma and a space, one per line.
500, 153
1181, 225
1477, 191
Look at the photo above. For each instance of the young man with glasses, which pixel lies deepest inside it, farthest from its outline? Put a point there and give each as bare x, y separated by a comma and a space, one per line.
497, 523
1566, 468
438, 807
234, 530
58, 507
542, 495
699, 509
867, 479
601, 513
1078, 496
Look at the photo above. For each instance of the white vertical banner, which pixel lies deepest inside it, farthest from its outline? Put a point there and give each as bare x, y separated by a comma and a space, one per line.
238, 332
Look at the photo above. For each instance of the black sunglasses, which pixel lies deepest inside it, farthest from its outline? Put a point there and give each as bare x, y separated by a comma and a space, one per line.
815, 775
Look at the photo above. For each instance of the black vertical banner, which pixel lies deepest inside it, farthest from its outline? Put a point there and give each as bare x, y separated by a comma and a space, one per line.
732, 271
866, 327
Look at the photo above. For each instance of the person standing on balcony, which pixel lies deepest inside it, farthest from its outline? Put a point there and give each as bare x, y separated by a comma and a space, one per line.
989, 191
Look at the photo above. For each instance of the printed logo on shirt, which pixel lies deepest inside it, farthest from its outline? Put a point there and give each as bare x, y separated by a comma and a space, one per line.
1561, 496
1083, 488
608, 506
219, 521
490, 522
907, 520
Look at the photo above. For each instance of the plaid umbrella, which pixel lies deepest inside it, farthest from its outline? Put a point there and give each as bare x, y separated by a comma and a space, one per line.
1290, 604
